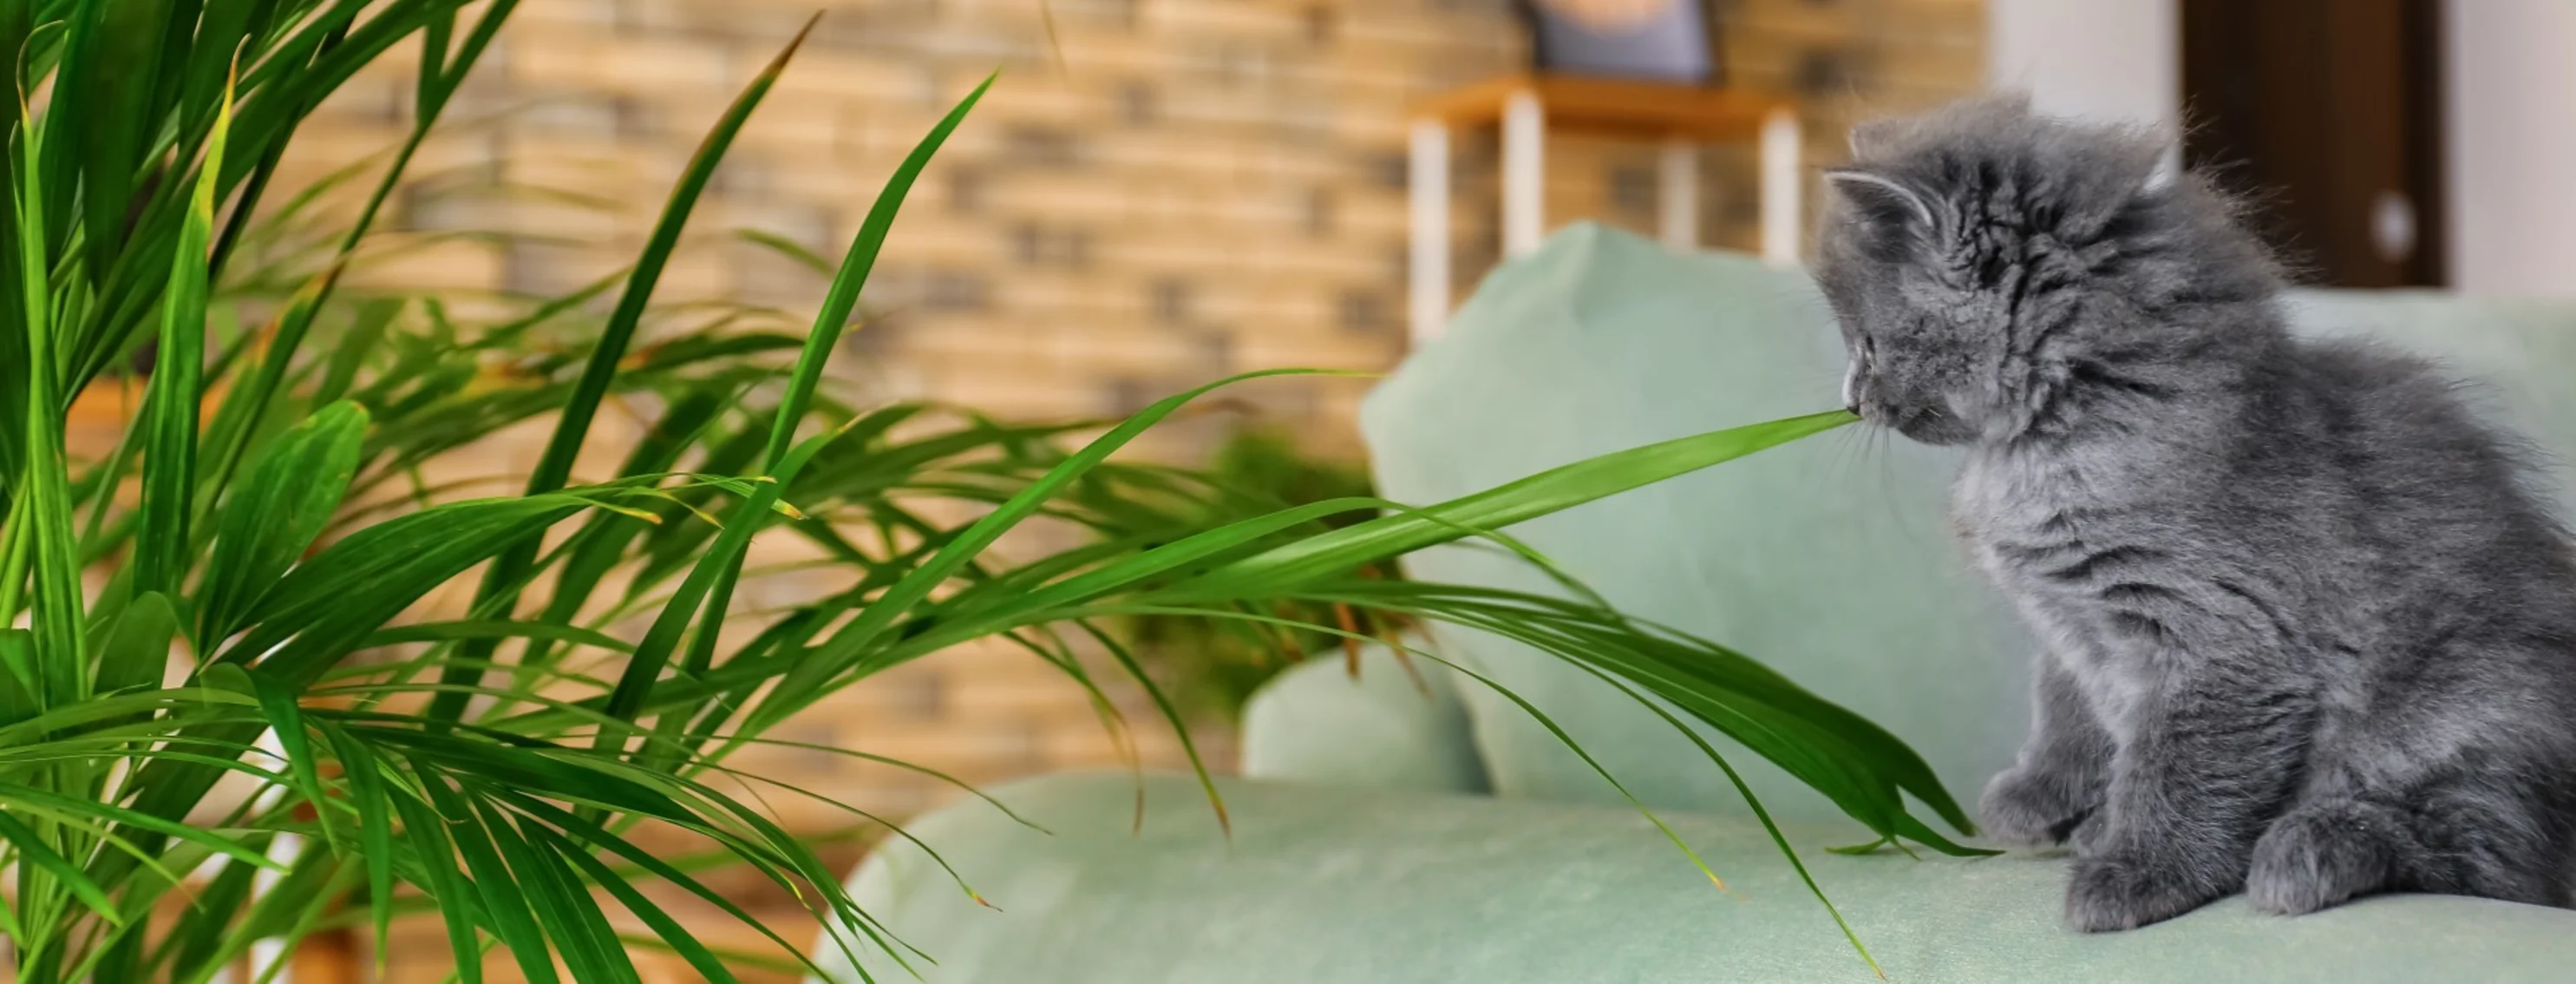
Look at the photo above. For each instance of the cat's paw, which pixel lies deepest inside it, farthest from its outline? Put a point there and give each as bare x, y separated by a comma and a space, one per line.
2089, 834
2317, 856
2029, 809
2126, 890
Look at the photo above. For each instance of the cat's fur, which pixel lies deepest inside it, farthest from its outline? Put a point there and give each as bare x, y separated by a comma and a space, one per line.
2309, 633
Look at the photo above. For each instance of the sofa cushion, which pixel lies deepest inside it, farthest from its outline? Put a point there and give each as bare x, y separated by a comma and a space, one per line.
1386, 728
1322, 883
1829, 559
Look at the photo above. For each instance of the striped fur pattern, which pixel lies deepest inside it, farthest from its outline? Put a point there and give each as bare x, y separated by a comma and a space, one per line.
2309, 632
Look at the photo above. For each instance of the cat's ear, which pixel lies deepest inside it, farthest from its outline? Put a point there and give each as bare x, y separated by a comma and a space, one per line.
2167, 168
1879, 200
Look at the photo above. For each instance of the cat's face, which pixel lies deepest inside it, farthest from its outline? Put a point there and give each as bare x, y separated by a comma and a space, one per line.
1913, 336
1963, 251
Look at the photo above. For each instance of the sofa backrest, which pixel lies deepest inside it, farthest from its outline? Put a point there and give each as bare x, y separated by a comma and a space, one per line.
1829, 559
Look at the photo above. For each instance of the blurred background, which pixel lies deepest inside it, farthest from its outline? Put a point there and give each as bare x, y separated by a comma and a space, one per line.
1158, 193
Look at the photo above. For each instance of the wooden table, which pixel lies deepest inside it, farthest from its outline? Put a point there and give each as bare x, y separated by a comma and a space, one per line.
1527, 107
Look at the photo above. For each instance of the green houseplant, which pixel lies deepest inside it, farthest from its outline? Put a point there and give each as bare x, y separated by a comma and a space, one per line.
1213, 666
216, 673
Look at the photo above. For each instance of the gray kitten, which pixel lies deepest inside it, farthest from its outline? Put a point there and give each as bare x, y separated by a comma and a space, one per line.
2309, 634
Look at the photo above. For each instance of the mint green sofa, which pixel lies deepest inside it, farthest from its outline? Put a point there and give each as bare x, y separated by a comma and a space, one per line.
1384, 835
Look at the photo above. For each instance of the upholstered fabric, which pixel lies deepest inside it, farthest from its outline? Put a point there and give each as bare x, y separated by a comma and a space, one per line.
1328, 884
1389, 727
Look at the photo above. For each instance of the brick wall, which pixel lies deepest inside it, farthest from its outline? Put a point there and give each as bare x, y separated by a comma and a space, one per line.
1156, 193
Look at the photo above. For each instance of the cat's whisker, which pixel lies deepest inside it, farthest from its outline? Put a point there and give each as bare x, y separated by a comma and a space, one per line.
1889, 480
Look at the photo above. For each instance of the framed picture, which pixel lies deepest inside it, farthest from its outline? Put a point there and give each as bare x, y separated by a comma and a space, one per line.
1663, 40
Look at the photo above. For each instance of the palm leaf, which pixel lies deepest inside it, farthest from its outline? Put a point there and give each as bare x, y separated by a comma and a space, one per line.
573, 425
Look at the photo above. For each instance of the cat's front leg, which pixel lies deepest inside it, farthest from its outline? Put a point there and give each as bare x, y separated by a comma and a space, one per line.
2060, 776
2212, 754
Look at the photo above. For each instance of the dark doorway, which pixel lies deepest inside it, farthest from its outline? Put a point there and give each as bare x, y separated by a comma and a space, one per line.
2325, 113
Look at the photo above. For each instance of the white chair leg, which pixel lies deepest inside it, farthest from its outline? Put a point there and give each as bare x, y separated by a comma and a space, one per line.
1680, 196
1524, 181
1428, 186
1780, 187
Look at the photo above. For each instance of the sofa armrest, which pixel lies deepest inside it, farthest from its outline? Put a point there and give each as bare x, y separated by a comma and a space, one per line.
1386, 729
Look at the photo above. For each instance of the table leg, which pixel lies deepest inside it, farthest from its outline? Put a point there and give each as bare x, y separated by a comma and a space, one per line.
1428, 186
1524, 181
266, 955
1780, 187
1680, 195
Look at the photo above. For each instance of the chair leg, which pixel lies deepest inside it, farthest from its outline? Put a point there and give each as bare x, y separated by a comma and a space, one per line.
1524, 173
1428, 186
1780, 188
1680, 196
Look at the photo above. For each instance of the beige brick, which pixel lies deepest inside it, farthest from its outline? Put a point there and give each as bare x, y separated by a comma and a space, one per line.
628, 64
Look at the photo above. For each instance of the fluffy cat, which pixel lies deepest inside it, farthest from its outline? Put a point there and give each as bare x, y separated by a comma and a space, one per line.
2308, 633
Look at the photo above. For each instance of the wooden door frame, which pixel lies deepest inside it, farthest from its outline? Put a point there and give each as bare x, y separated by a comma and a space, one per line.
2204, 58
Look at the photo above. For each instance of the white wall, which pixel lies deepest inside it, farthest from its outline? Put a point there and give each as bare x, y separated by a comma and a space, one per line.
2106, 59
2510, 162
2509, 103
